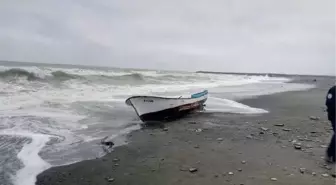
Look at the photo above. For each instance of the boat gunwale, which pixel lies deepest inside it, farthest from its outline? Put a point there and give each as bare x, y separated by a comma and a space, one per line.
160, 97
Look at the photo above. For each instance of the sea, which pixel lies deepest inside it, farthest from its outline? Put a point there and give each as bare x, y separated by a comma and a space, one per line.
52, 115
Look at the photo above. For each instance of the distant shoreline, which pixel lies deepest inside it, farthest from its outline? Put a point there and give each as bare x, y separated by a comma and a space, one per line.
269, 74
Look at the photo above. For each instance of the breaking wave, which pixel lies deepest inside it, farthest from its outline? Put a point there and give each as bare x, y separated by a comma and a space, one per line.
17, 72
60, 75
133, 76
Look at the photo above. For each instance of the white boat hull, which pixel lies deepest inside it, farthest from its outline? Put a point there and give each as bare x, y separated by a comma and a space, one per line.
151, 108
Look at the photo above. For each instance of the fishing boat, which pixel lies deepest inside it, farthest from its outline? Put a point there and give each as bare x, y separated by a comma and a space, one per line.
155, 108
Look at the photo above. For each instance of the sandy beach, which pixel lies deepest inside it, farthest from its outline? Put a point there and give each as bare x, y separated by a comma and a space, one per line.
283, 147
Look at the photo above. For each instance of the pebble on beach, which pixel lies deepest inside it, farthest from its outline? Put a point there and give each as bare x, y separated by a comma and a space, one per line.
325, 175
249, 137
314, 118
264, 129
193, 170
298, 146
110, 179
198, 130
274, 179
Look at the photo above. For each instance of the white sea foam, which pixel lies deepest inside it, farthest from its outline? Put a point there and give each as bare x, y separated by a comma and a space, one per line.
32, 162
229, 106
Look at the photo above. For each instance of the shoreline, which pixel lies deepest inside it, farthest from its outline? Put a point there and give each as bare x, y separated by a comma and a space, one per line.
154, 155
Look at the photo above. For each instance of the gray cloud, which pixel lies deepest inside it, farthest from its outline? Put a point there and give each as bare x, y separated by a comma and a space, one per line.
288, 36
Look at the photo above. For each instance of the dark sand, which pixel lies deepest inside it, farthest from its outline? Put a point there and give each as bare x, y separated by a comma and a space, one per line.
158, 157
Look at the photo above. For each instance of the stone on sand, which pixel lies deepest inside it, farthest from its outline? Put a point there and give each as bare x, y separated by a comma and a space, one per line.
325, 175
220, 139
279, 125
109, 179
314, 118
302, 170
264, 129
309, 146
298, 146
249, 137
274, 179
286, 129
198, 130
230, 173
193, 170
243, 162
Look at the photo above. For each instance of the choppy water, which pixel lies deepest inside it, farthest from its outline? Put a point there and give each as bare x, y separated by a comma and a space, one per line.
56, 115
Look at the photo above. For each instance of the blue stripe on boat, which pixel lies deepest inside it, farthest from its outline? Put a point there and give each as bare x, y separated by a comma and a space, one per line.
197, 95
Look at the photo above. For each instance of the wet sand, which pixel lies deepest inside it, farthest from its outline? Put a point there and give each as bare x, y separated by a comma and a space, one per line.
224, 148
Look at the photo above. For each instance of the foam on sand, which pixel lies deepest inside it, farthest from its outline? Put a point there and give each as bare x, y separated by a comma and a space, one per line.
229, 106
33, 164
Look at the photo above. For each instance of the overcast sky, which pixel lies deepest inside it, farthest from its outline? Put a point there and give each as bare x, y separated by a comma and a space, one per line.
284, 36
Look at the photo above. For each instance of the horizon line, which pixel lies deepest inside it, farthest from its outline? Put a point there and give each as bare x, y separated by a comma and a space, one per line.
198, 71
